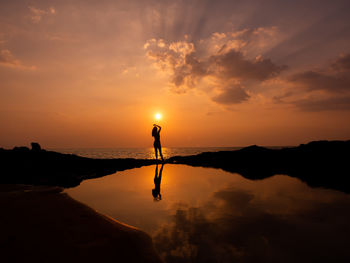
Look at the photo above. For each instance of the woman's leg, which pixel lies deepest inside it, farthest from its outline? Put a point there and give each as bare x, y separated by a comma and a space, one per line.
155, 150
160, 152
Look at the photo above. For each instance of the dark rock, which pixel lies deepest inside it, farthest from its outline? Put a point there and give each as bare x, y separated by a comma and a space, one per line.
320, 163
36, 147
40, 167
21, 149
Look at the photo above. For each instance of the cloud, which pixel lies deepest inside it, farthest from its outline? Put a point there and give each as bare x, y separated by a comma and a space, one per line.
231, 95
8, 60
231, 68
342, 63
313, 80
37, 14
232, 64
326, 89
223, 61
335, 103
334, 79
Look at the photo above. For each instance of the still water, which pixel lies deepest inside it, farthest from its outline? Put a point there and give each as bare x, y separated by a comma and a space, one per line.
208, 215
142, 153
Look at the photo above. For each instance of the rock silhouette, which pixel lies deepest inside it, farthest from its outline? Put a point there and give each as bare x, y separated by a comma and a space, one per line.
36, 147
319, 163
40, 167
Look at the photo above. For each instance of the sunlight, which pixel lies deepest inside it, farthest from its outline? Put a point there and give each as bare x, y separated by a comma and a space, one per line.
158, 116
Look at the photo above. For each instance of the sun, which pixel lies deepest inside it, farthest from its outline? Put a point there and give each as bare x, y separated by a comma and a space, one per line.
158, 116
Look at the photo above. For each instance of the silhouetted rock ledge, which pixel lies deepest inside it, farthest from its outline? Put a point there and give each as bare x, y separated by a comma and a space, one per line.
35, 166
42, 224
319, 163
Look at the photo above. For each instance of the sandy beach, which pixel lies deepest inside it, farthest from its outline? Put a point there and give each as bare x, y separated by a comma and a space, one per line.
42, 224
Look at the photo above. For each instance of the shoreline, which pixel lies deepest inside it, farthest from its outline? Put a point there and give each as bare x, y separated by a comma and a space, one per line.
43, 224
318, 163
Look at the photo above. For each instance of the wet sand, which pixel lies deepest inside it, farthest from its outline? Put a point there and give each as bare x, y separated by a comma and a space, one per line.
42, 224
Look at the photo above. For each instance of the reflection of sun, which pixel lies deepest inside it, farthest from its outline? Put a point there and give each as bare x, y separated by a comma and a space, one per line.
158, 116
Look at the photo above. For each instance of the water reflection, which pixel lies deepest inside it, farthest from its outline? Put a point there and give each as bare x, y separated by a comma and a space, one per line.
157, 180
209, 215
237, 226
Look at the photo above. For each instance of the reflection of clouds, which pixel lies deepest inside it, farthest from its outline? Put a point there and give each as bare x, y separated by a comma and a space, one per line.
239, 226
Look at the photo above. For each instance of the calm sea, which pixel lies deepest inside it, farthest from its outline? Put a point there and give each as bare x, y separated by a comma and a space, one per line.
140, 153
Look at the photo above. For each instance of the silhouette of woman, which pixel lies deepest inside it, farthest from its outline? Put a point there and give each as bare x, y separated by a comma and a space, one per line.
157, 147
157, 179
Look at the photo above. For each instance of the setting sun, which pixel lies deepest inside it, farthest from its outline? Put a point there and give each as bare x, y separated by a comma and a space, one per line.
158, 116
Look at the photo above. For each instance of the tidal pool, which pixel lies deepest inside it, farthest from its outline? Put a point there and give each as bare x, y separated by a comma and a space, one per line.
209, 215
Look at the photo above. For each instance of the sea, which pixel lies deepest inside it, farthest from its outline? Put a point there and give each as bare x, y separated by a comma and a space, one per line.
139, 153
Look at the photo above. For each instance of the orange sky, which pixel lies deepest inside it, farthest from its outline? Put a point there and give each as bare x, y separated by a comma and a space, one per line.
229, 73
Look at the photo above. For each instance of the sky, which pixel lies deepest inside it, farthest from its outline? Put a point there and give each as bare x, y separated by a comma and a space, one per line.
222, 73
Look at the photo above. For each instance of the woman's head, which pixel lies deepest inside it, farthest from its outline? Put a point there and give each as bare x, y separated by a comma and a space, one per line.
154, 131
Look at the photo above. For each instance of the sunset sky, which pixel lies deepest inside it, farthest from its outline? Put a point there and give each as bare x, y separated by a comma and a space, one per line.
222, 73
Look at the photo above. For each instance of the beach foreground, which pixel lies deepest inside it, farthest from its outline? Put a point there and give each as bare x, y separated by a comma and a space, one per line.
42, 224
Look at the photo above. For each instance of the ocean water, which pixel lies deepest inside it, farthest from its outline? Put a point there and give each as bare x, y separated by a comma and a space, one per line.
140, 153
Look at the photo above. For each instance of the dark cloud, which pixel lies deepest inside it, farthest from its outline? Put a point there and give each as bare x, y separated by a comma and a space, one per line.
335, 79
312, 80
233, 64
189, 73
328, 89
232, 95
337, 103
239, 226
342, 63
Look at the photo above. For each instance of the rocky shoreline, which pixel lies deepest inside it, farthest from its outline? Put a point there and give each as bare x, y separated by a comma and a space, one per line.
320, 163
35, 166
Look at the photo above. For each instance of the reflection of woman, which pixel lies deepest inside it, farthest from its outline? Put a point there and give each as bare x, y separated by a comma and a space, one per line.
156, 134
157, 179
